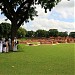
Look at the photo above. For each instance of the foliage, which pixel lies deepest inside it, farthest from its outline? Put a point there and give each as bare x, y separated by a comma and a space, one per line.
21, 32
53, 32
30, 33
5, 29
72, 34
40, 33
24, 9
39, 60
63, 34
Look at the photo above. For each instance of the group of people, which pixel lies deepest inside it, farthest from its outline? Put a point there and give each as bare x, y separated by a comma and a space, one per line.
5, 45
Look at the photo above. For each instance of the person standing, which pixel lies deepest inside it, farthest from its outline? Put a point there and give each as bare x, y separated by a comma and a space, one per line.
1, 45
15, 44
7, 47
4, 45
9, 43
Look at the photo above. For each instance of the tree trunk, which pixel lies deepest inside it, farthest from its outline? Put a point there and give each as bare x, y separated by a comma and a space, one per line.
13, 34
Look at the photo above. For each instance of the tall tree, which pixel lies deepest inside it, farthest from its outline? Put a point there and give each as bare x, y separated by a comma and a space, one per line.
53, 32
18, 11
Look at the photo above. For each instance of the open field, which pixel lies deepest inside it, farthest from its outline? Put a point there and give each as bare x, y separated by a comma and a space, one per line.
39, 60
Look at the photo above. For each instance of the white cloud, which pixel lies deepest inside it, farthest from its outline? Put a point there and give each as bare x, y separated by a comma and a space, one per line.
24, 26
65, 8
3, 20
51, 24
41, 12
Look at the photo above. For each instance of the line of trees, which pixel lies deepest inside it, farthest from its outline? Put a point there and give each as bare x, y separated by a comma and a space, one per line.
5, 31
43, 33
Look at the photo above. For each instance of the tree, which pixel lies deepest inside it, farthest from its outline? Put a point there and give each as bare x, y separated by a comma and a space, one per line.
30, 34
21, 32
18, 11
72, 34
63, 34
53, 32
40, 33
47, 34
5, 29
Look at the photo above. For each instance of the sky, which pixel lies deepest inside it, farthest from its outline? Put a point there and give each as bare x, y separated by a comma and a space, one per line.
61, 17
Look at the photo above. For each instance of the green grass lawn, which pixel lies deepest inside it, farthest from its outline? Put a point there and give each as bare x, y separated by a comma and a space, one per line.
39, 60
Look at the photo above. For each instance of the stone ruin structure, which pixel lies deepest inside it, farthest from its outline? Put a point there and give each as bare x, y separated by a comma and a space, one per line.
51, 40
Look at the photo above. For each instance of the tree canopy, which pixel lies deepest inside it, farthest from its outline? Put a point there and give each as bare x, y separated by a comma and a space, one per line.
5, 29
21, 32
40, 33
53, 32
72, 34
63, 34
30, 33
22, 10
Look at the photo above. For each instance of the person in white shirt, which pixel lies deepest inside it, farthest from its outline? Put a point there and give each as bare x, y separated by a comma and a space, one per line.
1, 45
4, 45
15, 44
7, 47
9, 43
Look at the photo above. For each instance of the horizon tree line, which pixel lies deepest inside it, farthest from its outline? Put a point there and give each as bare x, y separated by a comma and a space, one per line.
5, 31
